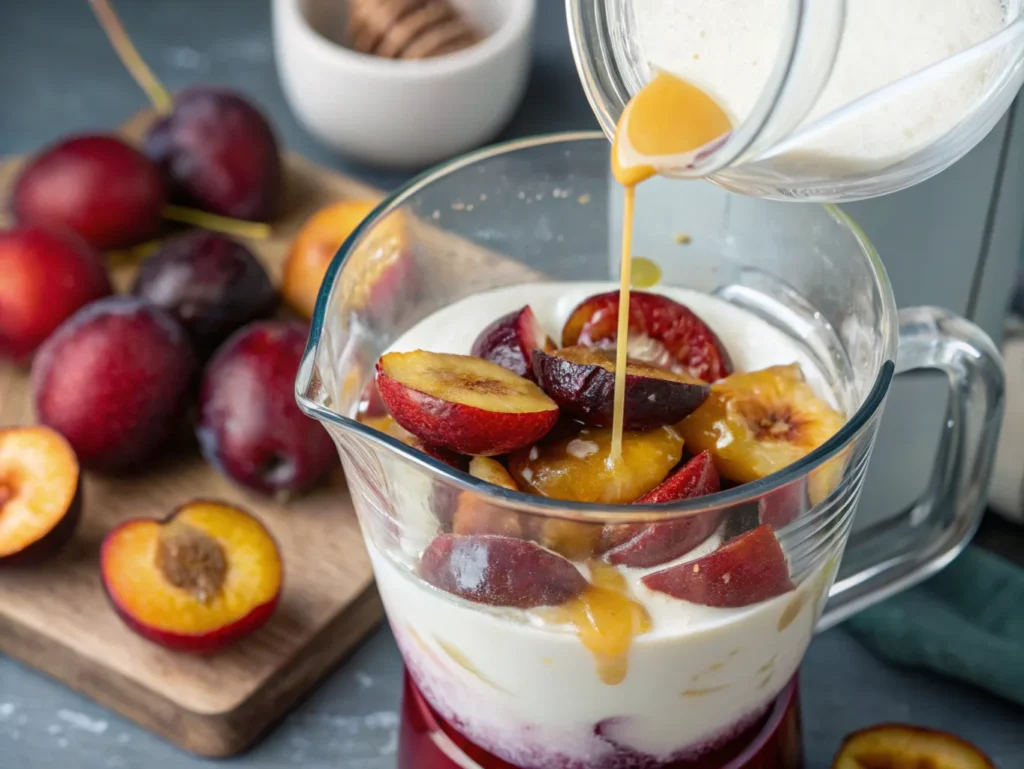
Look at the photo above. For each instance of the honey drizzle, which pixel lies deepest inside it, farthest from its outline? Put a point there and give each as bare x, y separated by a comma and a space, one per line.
625, 279
667, 117
606, 618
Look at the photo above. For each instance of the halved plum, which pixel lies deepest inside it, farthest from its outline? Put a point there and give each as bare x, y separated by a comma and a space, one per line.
475, 516
462, 403
197, 581
500, 571
574, 464
581, 380
757, 422
895, 746
749, 569
662, 332
40, 494
510, 341
643, 545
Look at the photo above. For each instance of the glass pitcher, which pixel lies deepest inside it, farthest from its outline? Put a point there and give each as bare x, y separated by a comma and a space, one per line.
515, 687
813, 130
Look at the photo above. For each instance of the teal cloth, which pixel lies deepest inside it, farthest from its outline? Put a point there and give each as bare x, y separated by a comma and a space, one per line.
967, 622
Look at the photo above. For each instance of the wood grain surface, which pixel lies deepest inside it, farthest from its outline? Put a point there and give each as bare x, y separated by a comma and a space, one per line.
56, 618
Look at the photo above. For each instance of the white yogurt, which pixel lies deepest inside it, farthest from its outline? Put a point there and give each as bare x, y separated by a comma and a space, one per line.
529, 691
730, 48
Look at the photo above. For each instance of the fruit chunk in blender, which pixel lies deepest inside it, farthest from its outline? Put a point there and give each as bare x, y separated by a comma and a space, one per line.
581, 380
756, 423
511, 340
643, 545
574, 464
746, 570
500, 571
662, 332
462, 403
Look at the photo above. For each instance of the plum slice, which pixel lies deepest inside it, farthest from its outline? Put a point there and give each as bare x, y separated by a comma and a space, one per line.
581, 380
893, 746
574, 464
500, 571
462, 403
643, 545
746, 570
40, 494
756, 423
662, 332
510, 341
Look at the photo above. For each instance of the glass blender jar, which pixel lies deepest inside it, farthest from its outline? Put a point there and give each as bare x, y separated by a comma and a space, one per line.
533, 221
831, 101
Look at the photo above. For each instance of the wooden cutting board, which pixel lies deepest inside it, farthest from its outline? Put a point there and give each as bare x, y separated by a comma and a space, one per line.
55, 617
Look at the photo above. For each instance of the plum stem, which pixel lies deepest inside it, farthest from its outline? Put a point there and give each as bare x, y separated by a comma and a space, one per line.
225, 224
129, 55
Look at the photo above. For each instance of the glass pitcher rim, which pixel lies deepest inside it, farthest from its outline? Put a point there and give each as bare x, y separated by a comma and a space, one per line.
566, 509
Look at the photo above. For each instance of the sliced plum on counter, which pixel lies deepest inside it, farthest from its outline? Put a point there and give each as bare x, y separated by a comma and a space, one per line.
464, 404
894, 746
40, 494
581, 380
747, 570
662, 332
205, 577
643, 545
510, 341
500, 571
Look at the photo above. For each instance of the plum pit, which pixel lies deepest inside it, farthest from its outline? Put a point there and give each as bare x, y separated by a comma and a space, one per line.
191, 560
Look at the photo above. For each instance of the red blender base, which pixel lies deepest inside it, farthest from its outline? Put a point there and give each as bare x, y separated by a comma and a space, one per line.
426, 741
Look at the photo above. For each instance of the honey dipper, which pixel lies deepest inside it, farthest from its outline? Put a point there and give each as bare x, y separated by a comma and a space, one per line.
408, 29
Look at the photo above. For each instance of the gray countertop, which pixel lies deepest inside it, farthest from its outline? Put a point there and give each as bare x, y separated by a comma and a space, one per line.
59, 76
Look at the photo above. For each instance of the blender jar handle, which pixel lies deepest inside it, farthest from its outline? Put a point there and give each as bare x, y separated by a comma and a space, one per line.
895, 554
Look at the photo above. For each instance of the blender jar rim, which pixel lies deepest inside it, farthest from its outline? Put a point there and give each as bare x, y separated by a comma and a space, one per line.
566, 509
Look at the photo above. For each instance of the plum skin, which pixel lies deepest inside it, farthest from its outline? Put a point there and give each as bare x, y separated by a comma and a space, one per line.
588, 391
250, 428
220, 154
97, 186
115, 436
211, 283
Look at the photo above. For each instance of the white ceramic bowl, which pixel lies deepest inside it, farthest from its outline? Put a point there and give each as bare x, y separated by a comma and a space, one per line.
402, 113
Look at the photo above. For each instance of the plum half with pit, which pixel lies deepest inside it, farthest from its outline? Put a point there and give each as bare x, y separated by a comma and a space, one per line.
97, 186
220, 154
581, 380
662, 332
250, 426
211, 283
196, 582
